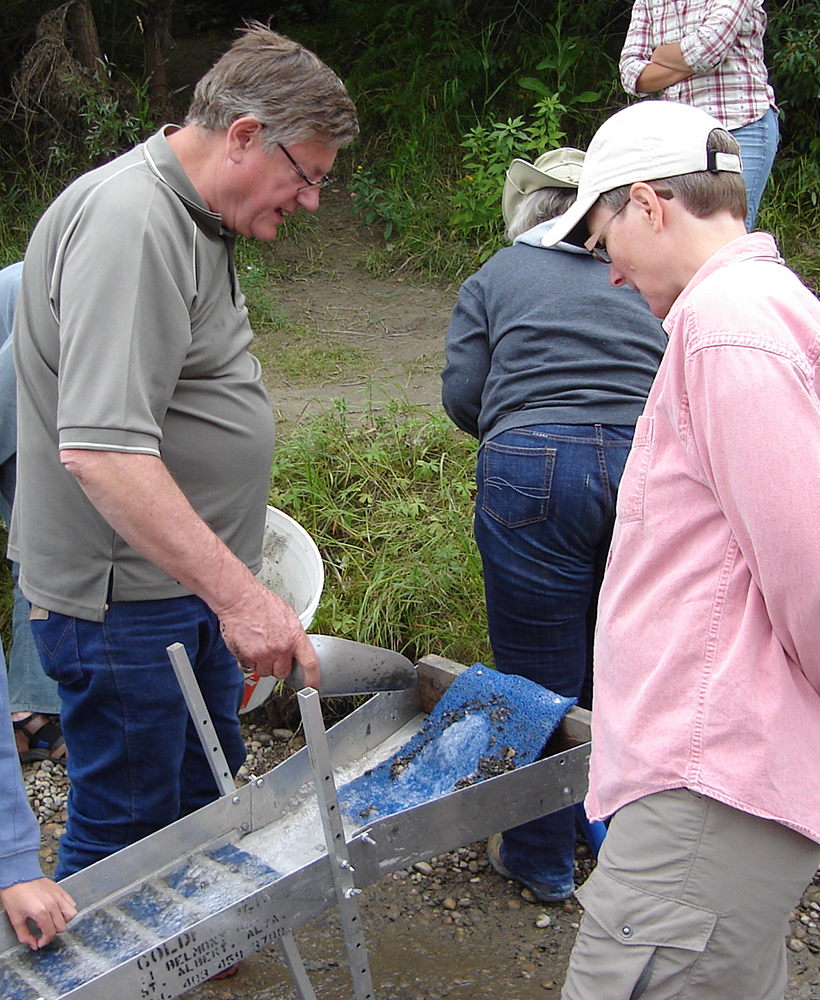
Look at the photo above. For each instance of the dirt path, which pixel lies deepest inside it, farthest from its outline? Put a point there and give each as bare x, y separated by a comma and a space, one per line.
383, 337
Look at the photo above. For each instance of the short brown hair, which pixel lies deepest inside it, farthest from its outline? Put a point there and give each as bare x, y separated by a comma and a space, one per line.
703, 193
280, 83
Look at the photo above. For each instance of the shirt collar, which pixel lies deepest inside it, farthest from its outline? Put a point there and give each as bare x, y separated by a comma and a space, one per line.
163, 162
752, 246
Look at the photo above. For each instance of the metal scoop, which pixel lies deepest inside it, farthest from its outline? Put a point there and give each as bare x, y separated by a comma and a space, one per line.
349, 668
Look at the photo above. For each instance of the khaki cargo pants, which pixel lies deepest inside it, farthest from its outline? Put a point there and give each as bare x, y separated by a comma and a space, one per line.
690, 900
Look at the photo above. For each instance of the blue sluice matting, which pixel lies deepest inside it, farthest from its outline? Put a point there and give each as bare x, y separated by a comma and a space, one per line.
486, 723
60, 966
202, 884
107, 935
12, 987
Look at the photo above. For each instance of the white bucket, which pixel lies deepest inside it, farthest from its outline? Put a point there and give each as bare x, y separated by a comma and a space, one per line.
292, 568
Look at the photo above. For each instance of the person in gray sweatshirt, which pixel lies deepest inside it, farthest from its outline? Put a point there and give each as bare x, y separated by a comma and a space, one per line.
36, 907
549, 367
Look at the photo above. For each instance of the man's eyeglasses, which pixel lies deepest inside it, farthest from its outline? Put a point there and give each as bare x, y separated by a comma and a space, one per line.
598, 249
322, 182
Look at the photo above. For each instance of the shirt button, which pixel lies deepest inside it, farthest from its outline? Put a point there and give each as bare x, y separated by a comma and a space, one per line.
626, 931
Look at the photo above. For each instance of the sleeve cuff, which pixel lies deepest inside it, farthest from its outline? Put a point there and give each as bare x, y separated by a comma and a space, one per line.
694, 57
22, 867
107, 439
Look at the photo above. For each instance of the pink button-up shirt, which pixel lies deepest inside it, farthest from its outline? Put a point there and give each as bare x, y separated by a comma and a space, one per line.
707, 659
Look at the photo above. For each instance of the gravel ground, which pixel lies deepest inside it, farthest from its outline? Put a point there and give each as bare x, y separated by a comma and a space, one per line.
427, 927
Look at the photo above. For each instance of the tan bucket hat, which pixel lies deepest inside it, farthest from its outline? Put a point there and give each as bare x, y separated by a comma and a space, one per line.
560, 168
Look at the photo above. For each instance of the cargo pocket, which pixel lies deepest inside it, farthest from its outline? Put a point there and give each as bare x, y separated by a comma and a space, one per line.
517, 482
622, 931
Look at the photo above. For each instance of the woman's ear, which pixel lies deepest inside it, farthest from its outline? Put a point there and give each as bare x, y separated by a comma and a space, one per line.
646, 199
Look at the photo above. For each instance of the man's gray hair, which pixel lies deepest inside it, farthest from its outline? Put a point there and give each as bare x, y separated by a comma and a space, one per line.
281, 84
538, 206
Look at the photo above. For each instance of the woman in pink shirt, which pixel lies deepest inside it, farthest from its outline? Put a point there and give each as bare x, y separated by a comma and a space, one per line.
707, 650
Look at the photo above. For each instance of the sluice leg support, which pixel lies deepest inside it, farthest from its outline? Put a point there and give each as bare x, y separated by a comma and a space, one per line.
296, 967
346, 891
219, 768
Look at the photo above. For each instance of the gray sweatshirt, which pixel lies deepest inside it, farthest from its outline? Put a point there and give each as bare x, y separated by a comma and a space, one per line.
19, 831
539, 336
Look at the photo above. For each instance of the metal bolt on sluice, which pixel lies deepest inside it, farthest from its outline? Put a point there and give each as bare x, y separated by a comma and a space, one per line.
351, 892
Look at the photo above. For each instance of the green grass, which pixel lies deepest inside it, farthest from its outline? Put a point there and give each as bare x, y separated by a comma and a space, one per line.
300, 354
791, 211
389, 503
295, 351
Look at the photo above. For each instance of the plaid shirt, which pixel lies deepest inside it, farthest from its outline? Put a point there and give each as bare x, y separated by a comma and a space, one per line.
722, 40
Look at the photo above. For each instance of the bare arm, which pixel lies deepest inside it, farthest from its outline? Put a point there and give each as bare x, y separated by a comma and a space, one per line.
43, 902
655, 77
671, 57
139, 498
666, 68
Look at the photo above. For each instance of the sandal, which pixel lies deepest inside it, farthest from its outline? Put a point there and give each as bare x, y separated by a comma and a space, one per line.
39, 737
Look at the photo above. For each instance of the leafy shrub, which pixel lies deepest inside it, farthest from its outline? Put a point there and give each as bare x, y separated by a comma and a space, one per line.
490, 149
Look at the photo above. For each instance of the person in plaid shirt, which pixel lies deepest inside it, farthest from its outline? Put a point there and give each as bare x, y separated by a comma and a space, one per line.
709, 53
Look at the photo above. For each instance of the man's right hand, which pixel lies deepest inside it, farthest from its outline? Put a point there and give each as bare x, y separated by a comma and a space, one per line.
138, 497
264, 633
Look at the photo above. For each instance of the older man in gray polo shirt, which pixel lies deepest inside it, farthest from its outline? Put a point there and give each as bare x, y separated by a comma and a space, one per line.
146, 436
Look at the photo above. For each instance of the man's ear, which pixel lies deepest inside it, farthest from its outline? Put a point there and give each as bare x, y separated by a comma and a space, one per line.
242, 133
645, 198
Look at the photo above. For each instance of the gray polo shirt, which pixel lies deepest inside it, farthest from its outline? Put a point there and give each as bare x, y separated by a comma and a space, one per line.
132, 335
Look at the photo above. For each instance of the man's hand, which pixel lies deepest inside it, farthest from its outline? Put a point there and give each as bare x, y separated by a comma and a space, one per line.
264, 633
138, 497
43, 902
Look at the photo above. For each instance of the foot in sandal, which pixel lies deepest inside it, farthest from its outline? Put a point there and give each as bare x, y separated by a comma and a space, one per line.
39, 737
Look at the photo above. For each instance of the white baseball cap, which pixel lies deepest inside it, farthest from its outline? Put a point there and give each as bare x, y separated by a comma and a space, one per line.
558, 168
644, 142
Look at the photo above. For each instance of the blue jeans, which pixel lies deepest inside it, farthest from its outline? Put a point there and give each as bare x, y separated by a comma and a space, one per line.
134, 758
758, 144
543, 522
30, 690
30, 687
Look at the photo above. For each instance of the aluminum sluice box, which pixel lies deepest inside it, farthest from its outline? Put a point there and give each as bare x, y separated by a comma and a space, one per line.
167, 913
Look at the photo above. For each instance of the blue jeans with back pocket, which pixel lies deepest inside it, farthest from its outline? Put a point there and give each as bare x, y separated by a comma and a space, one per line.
543, 522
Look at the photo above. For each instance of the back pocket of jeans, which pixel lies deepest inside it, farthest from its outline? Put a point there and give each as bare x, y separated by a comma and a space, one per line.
516, 482
56, 641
